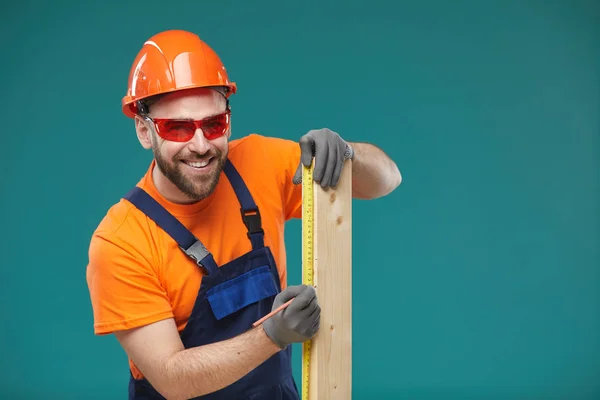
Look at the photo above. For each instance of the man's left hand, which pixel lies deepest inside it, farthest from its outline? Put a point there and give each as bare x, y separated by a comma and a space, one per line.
330, 152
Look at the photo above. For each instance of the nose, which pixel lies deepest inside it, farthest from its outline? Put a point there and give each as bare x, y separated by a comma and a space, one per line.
199, 143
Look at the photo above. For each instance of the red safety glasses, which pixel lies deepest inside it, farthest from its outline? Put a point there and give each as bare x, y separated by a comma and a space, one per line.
183, 130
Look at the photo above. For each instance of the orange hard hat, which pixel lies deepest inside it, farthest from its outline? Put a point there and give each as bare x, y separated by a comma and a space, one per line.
173, 60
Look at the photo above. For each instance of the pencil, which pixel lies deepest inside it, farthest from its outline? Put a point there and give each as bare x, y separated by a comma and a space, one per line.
269, 315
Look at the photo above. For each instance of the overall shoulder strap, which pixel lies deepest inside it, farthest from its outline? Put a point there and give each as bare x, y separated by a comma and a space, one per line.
191, 245
249, 209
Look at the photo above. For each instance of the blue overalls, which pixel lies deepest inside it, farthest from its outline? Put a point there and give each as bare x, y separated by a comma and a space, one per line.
231, 298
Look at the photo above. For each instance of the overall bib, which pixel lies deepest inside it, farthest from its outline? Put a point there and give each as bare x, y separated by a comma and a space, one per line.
231, 298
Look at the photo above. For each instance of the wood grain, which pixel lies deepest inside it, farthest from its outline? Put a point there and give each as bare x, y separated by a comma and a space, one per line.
331, 355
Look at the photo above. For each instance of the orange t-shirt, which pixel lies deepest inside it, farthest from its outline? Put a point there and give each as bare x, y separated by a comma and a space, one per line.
138, 275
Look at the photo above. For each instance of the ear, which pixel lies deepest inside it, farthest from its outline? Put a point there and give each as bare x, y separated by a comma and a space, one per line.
143, 133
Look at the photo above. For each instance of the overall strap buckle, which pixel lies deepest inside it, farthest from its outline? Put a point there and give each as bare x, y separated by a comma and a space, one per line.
249, 209
196, 252
200, 254
186, 241
252, 221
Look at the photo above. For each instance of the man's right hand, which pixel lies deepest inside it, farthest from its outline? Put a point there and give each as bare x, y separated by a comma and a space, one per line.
299, 321
180, 373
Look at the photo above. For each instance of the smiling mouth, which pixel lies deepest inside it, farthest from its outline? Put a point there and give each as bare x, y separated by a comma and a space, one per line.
197, 164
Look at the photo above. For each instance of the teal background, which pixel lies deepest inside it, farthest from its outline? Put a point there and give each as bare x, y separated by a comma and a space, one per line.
477, 278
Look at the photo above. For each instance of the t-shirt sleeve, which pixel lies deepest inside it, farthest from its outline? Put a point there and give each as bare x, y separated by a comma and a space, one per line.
124, 288
285, 155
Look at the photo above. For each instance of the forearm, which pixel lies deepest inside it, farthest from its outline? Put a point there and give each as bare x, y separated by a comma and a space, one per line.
374, 174
205, 369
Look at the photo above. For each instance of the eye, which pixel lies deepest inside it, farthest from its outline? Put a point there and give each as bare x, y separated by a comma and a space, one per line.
181, 126
212, 122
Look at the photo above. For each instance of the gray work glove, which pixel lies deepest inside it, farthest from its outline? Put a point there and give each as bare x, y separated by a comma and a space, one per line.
299, 321
330, 152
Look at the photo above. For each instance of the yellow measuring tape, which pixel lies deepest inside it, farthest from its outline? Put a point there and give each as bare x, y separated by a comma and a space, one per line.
307, 259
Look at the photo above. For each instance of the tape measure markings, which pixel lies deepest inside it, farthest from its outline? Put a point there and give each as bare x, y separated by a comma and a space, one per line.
307, 260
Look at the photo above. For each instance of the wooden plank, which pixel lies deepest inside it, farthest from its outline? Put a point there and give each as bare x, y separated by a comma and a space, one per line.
331, 350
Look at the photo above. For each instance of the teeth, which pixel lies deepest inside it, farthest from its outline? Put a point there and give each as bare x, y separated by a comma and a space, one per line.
197, 164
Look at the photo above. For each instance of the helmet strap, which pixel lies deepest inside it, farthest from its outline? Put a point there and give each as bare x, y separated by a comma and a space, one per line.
142, 107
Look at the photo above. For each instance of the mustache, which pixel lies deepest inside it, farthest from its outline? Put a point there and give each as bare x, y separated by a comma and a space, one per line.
199, 157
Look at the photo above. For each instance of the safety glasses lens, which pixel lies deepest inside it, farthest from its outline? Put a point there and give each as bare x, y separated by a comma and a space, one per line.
184, 130
177, 131
216, 126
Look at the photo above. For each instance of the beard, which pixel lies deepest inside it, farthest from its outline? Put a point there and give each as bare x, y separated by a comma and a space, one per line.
195, 187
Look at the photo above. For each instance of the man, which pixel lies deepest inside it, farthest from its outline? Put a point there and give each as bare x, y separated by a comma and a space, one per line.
181, 267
